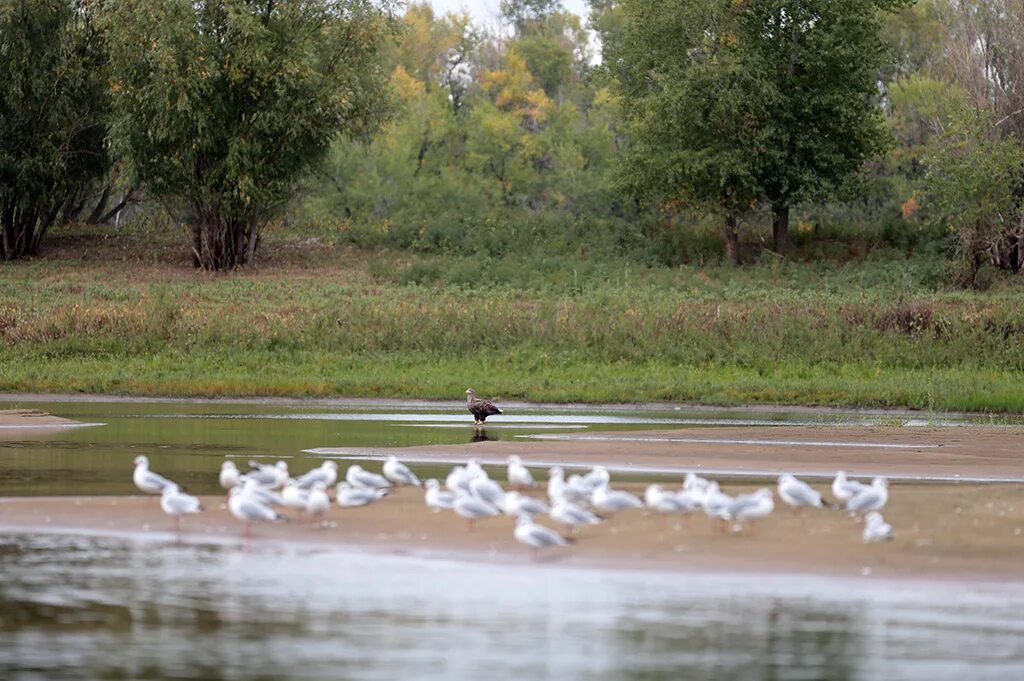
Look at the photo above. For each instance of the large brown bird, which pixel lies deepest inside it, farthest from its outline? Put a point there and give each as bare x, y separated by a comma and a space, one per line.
480, 409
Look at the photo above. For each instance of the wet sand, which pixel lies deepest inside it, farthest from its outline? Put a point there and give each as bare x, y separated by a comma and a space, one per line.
943, 531
937, 453
21, 423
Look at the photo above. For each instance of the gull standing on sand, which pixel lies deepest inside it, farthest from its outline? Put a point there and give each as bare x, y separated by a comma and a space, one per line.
748, 508
516, 504
350, 496
607, 500
798, 493
844, 489
716, 503
518, 474
578, 490
876, 529
472, 509
692, 481
294, 497
536, 536
436, 498
556, 484
398, 473
597, 476
458, 480
357, 477
318, 503
267, 475
326, 472
690, 499
146, 480
228, 477
657, 499
488, 490
176, 503
573, 516
260, 493
244, 506
872, 498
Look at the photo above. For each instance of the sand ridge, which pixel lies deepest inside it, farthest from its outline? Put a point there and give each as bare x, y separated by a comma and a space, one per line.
943, 531
987, 452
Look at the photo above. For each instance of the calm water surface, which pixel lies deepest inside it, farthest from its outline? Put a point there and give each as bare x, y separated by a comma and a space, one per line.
122, 608
145, 608
188, 440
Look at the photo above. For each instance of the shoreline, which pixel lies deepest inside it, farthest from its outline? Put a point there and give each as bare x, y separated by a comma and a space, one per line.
422, 403
973, 543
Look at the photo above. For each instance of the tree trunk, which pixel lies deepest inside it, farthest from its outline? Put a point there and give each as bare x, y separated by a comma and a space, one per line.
780, 227
101, 206
732, 240
222, 244
22, 229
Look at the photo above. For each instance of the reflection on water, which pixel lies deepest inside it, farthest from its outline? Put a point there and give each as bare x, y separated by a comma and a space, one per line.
118, 608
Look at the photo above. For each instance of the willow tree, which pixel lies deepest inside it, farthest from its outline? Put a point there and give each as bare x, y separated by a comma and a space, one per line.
221, 106
53, 109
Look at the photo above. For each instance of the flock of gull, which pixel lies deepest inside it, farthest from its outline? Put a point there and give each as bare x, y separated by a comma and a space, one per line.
468, 491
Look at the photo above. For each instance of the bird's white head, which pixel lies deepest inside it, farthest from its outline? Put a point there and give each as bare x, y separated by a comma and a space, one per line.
228, 466
281, 466
873, 518
880, 482
329, 465
556, 472
514, 459
470, 392
523, 519
392, 459
141, 461
432, 484
170, 489
785, 478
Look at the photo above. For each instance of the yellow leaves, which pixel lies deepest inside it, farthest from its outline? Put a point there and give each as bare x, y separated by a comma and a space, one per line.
514, 90
406, 86
909, 208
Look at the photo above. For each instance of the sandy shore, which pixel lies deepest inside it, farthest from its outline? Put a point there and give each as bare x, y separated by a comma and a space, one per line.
21, 423
944, 531
937, 453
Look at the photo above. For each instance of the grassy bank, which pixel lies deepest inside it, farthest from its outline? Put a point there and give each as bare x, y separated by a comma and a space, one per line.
326, 320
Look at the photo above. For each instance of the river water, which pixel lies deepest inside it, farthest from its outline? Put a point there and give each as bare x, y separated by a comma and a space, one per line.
129, 607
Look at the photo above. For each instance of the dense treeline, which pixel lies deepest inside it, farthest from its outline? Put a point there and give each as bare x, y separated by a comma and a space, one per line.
614, 139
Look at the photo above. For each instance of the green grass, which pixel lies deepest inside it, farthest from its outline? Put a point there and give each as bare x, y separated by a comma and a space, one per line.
128, 316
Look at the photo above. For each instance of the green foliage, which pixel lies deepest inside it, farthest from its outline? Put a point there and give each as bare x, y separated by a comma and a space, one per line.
53, 116
730, 104
222, 105
973, 188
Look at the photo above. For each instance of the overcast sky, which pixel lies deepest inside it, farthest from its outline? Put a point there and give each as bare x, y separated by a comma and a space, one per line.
486, 11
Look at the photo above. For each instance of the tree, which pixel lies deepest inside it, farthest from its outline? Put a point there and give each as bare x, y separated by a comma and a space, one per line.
695, 113
822, 59
222, 105
53, 109
974, 187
